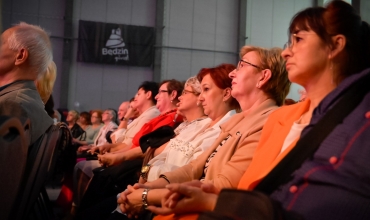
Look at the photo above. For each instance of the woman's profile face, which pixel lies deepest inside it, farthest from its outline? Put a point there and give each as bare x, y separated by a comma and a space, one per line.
211, 96
246, 76
306, 57
95, 118
163, 97
187, 100
82, 120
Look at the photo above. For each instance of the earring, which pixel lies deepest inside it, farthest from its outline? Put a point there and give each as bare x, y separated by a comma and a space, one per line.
171, 101
258, 85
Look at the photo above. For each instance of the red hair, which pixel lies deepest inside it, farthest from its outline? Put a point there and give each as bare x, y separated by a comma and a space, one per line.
220, 75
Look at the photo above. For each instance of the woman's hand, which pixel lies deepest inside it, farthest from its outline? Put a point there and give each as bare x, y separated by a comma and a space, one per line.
130, 201
132, 113
193, 196
109, 159
102, 149
83, 148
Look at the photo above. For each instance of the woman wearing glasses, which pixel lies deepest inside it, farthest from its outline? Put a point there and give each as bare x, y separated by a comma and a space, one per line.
259, 84
329, 54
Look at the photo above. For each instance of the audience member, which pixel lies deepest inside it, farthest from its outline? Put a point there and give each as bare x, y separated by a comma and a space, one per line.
24, 55
122, 110
92, 130
76, 130
84, 120
45, 82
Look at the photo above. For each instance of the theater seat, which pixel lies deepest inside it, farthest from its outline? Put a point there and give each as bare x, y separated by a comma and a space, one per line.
13, 157
32, 198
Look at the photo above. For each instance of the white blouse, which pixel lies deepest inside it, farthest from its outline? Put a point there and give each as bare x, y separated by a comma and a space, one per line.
192, 141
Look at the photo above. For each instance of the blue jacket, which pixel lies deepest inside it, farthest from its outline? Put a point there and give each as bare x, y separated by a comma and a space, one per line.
335, 183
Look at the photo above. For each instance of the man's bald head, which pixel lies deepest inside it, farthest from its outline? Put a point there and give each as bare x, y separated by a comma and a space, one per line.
122, 110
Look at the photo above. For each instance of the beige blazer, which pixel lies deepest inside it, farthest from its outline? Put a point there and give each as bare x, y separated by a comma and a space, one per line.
233, 158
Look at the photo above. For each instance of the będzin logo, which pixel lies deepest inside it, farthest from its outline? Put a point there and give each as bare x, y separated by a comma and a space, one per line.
115, 46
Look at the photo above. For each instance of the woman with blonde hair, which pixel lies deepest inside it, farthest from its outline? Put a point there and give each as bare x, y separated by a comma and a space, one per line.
45, 82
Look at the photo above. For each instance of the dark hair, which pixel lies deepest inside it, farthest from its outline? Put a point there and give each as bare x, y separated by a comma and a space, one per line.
149, 86
338, 17
173, 85
220, 75
86, 116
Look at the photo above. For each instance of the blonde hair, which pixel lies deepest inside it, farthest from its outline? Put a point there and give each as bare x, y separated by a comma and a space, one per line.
45, 82
277, 87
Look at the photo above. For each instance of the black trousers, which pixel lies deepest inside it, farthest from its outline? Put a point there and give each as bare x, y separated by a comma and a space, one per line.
108, 182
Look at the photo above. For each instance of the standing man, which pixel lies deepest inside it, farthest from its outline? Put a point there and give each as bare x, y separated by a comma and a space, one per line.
25, 53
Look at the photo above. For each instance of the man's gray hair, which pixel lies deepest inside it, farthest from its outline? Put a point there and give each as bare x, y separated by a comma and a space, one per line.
36, 41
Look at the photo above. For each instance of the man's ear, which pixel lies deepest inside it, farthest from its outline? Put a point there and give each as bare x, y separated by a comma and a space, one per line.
339, 42
148, 95
21, 56
266, 75
227, 94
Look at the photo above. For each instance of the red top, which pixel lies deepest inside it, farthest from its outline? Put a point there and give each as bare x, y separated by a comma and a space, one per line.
167, 118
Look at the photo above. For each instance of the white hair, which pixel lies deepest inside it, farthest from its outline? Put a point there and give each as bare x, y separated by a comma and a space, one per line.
36, 41
194, 83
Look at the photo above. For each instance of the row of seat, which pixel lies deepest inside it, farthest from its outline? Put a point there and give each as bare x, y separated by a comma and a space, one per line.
25, 169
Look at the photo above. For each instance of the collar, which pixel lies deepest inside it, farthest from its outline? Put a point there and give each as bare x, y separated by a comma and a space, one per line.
29, 84
265, 107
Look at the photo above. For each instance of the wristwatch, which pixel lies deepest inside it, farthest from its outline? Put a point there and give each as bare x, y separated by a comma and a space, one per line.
124, 119
144, 198
144, 171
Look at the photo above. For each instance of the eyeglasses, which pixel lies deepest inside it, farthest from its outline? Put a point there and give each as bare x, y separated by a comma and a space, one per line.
243, 61
160, 91
184, 92
294, 38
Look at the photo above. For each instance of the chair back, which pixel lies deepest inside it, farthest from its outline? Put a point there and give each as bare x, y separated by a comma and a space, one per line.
40, 163
13, 157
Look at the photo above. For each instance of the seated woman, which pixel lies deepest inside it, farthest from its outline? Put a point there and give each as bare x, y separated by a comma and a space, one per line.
325, 57
85, 120
189, 144
76, 130
45, 82
91, 130
260, 85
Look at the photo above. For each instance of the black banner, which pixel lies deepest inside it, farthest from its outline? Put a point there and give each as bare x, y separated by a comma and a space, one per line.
115, 44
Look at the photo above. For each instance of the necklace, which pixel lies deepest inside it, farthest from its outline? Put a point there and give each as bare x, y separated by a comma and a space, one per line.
183, 125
